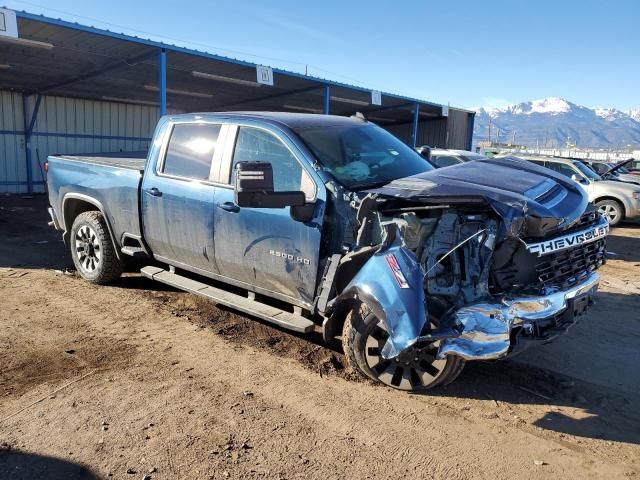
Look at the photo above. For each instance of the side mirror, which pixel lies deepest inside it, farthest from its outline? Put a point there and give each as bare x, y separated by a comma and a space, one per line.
579, 179
254, 188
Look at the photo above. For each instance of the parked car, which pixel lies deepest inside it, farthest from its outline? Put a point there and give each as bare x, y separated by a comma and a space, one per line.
613, 171
319, 222
440, 158
615, 200
633, 167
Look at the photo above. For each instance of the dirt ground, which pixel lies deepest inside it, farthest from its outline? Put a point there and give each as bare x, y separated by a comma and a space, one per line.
137, 380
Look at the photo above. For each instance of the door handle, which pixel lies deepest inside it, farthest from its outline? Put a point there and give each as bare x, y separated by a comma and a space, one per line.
154, 192
229, 207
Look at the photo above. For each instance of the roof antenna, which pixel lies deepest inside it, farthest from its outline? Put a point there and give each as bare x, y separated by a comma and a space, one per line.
359, 116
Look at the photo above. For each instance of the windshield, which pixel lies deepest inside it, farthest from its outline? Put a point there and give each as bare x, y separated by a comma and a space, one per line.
362, 155
587, 171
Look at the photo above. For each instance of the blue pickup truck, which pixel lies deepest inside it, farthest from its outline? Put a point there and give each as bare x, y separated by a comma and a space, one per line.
331, 224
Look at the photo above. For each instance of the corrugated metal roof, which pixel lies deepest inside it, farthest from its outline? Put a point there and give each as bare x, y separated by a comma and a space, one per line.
126, 66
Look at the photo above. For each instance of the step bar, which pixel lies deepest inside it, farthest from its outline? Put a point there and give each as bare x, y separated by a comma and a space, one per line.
282, 318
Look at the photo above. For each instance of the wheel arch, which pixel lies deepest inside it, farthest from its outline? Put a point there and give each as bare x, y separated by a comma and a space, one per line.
333, 324
615, 199
73, 205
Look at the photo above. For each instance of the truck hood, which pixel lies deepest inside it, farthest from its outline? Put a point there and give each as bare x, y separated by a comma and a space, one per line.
533, 201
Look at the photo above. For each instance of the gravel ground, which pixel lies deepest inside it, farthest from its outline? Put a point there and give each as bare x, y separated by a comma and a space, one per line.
137, 380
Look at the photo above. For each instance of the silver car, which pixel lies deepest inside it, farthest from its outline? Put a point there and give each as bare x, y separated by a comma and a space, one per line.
615, 200
613, 171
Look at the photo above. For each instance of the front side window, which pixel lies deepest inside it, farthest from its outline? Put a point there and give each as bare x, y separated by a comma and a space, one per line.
586, 171
562, 168
190, 150
257, 145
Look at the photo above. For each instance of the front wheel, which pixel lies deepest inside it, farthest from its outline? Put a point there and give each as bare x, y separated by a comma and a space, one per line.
611, 210
363, 337
92, 250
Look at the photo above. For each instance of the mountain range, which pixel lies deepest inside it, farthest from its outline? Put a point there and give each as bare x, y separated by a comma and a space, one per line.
555, 122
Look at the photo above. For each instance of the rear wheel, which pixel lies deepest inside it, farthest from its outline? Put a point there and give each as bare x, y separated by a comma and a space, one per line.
611, 210
92, 249
416, 369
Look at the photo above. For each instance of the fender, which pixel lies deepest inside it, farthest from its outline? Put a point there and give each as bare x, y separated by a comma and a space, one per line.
391, 285
95, 203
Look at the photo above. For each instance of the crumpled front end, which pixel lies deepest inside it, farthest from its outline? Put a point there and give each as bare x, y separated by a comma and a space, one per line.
437, 278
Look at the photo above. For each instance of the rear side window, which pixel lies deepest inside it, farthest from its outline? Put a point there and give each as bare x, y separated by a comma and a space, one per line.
190, 150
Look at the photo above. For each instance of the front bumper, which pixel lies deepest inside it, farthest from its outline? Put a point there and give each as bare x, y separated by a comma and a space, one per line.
492, 331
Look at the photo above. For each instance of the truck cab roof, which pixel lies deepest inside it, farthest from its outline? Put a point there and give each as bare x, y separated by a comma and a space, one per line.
291, 120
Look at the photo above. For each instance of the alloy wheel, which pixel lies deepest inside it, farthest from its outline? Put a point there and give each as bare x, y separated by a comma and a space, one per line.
88, 248
414, 369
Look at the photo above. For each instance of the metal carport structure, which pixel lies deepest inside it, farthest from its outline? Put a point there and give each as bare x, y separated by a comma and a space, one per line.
58, 69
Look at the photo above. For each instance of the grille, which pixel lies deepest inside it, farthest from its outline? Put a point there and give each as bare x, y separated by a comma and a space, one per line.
569, 267
587, 219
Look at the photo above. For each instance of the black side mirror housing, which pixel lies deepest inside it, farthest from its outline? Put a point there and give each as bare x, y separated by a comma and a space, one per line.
254, 188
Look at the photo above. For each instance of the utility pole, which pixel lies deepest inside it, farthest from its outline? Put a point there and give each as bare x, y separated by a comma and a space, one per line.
489, 131
513, 138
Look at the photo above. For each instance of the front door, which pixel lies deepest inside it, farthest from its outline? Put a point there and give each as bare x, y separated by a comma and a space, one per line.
264, 247
178, 198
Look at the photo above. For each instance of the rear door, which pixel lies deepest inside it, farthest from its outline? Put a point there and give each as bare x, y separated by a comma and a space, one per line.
178, 196
264, 249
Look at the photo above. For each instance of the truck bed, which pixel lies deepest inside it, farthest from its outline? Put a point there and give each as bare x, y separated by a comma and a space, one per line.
109, 181
129, 160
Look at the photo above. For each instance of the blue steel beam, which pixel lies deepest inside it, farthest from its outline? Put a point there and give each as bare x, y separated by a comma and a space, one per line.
11, 182
414, 129
29, 122
35, 114
326, 101
470, 122
162, 72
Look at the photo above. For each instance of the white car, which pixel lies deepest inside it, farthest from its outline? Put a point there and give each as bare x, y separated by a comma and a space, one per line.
440, 157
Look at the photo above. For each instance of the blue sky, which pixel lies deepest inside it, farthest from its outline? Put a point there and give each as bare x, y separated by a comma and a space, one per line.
466, 53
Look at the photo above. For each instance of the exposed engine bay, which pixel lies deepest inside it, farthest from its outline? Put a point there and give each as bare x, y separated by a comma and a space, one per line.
454, 248
464, 279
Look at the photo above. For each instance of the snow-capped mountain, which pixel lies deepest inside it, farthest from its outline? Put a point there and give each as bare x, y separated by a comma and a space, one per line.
634, 113
554, 122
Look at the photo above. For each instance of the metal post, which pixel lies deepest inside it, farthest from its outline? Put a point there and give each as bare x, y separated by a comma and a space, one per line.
470, 122
414, 130
327, 99
163, 82
29, 122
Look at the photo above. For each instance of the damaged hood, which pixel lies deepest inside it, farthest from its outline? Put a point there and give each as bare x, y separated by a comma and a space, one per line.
533, 201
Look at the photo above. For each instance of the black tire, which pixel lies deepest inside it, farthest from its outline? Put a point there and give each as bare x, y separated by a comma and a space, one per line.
92, 249
424, 371
612, 210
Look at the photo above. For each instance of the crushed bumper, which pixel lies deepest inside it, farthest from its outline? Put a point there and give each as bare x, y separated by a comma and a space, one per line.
492, 331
